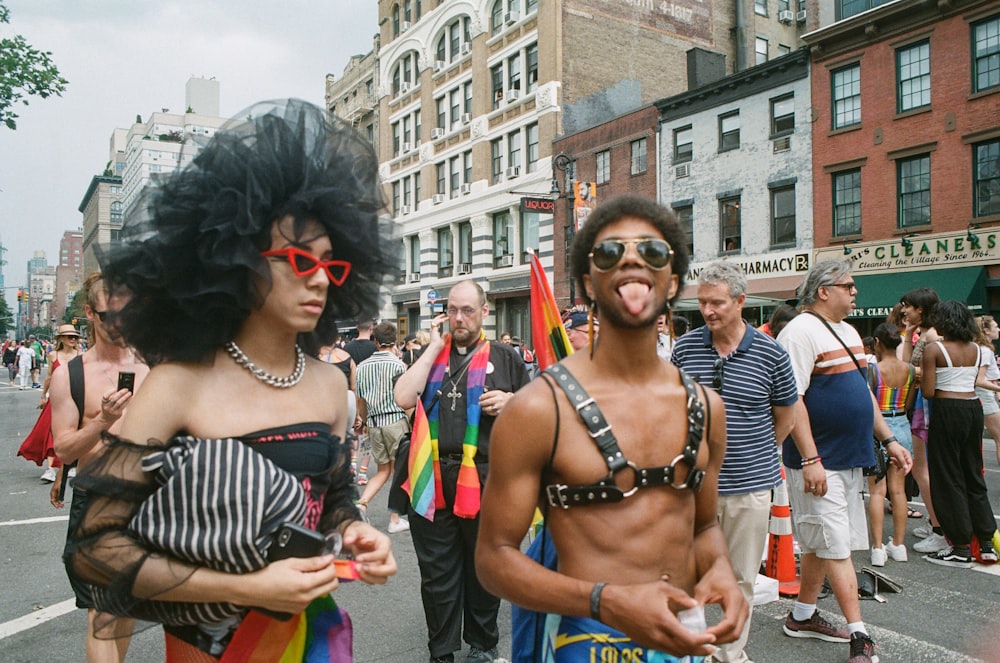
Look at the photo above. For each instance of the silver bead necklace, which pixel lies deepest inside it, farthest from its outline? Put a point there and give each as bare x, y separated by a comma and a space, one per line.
241, 358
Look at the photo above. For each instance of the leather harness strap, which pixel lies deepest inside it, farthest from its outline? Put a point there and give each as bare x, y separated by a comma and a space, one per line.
606, 491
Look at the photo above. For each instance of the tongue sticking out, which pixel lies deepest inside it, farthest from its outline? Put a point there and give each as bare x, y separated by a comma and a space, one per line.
634, 295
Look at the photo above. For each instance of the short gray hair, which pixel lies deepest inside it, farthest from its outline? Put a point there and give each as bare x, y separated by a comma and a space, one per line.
824, 273
729, 273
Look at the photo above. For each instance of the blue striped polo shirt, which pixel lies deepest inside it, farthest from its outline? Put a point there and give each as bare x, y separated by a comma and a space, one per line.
756, 376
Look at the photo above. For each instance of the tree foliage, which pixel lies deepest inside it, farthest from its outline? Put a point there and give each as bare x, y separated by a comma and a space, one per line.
6, 317
25, 71
75, 309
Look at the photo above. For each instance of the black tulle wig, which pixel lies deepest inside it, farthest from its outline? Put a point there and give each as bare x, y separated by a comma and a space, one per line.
190, 265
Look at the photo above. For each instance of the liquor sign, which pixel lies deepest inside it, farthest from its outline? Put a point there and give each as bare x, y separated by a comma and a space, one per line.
538, 205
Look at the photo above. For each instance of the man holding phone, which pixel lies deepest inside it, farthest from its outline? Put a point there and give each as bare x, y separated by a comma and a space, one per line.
464, 382
111, 372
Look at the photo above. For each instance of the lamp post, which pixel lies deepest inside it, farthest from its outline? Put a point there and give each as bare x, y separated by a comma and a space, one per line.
564, 163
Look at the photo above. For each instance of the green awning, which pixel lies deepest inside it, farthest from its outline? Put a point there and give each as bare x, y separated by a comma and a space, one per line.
878, 293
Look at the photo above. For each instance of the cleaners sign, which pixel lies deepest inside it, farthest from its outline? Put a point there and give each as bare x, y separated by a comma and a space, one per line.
919, 252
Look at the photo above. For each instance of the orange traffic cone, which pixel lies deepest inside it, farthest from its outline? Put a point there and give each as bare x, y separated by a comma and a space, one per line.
780, 548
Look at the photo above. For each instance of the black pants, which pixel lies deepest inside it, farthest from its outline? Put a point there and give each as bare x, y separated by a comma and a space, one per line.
84, 595
955, 464
449, 587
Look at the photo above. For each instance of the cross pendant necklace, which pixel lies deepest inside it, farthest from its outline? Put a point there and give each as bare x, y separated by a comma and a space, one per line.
454, 394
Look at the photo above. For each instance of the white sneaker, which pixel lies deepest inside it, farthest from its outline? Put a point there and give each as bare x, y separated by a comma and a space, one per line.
878, 556
931, 544
72, 472
896, 553
400, 526
923, 531
49, 475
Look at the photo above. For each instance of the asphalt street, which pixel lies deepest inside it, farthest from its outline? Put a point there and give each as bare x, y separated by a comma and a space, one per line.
943, 614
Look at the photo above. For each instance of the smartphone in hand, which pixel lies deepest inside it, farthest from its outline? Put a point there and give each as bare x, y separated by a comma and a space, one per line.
126, 380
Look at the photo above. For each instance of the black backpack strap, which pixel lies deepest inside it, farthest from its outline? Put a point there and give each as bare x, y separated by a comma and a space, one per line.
76, 385
593, 418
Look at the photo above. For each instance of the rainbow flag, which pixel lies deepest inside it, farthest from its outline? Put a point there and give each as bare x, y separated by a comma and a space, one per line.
423, 484
468, 488
547, 330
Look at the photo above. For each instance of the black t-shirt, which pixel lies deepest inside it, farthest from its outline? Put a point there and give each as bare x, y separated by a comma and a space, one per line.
360, 349
505, 372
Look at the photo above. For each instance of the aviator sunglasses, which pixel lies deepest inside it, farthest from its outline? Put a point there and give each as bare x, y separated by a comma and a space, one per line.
655, 252
305, 264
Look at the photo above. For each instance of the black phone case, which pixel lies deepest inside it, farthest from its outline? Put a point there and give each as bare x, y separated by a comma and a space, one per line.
126, 380
293, 540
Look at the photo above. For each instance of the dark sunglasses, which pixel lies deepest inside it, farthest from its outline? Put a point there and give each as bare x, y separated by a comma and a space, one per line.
718, 369
101, 315
305, 264
655, 252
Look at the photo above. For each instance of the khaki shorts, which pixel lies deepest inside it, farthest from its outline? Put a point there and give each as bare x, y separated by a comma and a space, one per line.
384, 440
835, 524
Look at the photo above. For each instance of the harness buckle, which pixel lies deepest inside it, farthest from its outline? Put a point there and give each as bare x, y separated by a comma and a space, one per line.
583, 404
555, 495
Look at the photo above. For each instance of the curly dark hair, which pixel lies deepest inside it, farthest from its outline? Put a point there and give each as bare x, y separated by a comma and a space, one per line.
888, 335
922, 298
190, 263
954, 321
617, 208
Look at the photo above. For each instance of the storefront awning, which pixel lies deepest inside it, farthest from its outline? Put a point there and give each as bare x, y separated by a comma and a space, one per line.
878, 293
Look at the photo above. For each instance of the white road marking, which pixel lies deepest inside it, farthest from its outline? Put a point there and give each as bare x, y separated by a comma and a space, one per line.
36, 618
32, 521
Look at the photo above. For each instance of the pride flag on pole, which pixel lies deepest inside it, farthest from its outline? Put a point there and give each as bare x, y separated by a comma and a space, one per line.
423, 484
547, 330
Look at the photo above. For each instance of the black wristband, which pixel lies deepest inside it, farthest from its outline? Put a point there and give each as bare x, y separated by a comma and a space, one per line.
595, 601
889, 440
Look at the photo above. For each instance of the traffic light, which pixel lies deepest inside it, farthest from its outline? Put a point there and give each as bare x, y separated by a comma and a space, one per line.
20, 295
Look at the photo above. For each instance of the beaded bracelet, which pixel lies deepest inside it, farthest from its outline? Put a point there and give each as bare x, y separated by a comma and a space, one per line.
889, 440
811, 461
595, 601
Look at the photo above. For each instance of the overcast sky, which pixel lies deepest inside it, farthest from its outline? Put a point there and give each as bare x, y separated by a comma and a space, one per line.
128, 57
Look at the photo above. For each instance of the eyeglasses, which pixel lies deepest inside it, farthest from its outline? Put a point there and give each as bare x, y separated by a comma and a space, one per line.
305, 264
655, 252
101, 315
718, 369
846, 286
467, 312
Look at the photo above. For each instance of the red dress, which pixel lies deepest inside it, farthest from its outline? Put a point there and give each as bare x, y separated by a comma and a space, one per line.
38, 445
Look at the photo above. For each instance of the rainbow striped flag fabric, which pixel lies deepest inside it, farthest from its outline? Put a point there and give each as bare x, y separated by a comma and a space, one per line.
547, 330
423, 484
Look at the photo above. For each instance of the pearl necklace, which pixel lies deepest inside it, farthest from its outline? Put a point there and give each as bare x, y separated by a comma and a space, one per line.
241, 358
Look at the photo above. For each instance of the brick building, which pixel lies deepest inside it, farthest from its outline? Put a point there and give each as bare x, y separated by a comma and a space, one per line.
906, 151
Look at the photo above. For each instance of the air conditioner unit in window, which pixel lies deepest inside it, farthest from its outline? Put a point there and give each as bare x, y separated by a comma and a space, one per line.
414, 277
782, 144
404, 26
513, 95
466, 188
682, 170
405, 209
466, 118
404, 88
465, 268
507, 261
465, 49
512, 172
437, 132
801, 16
511, 17
437, 198
439, 65
407, 147
786, 16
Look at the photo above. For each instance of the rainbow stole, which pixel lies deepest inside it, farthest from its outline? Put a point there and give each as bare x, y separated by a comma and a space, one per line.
424, 483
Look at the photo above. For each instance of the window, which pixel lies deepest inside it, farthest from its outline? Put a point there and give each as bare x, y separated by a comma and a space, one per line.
467, 89
415, 254
395, 139
531, 67
408, 11
496, 17
407, 184
603, 160
442, 115
455, 105
784, 49
514, 72
913, 77
783, 215
529, 235
530, 6
729, 131
985, 178
455, 34
847, 202
986, 54
467, 167
784, 5
454, 175
416, 176
405, 71
442, 177
682, 144
848, 8
514, 149
685, 218
465, 242
729, 224
760, 7
638, 156
532, 140
116, 211
503, 235
760, 50
782, 115
496, 161
395, 20
446, 252
846, 84
496, 77
914, 186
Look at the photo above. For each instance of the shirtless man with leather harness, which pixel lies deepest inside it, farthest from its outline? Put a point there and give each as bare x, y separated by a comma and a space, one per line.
625, 473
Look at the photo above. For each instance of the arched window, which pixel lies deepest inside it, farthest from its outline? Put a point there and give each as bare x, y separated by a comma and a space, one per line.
405, 73
496, 17
451, 42
408, 11
395, 20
